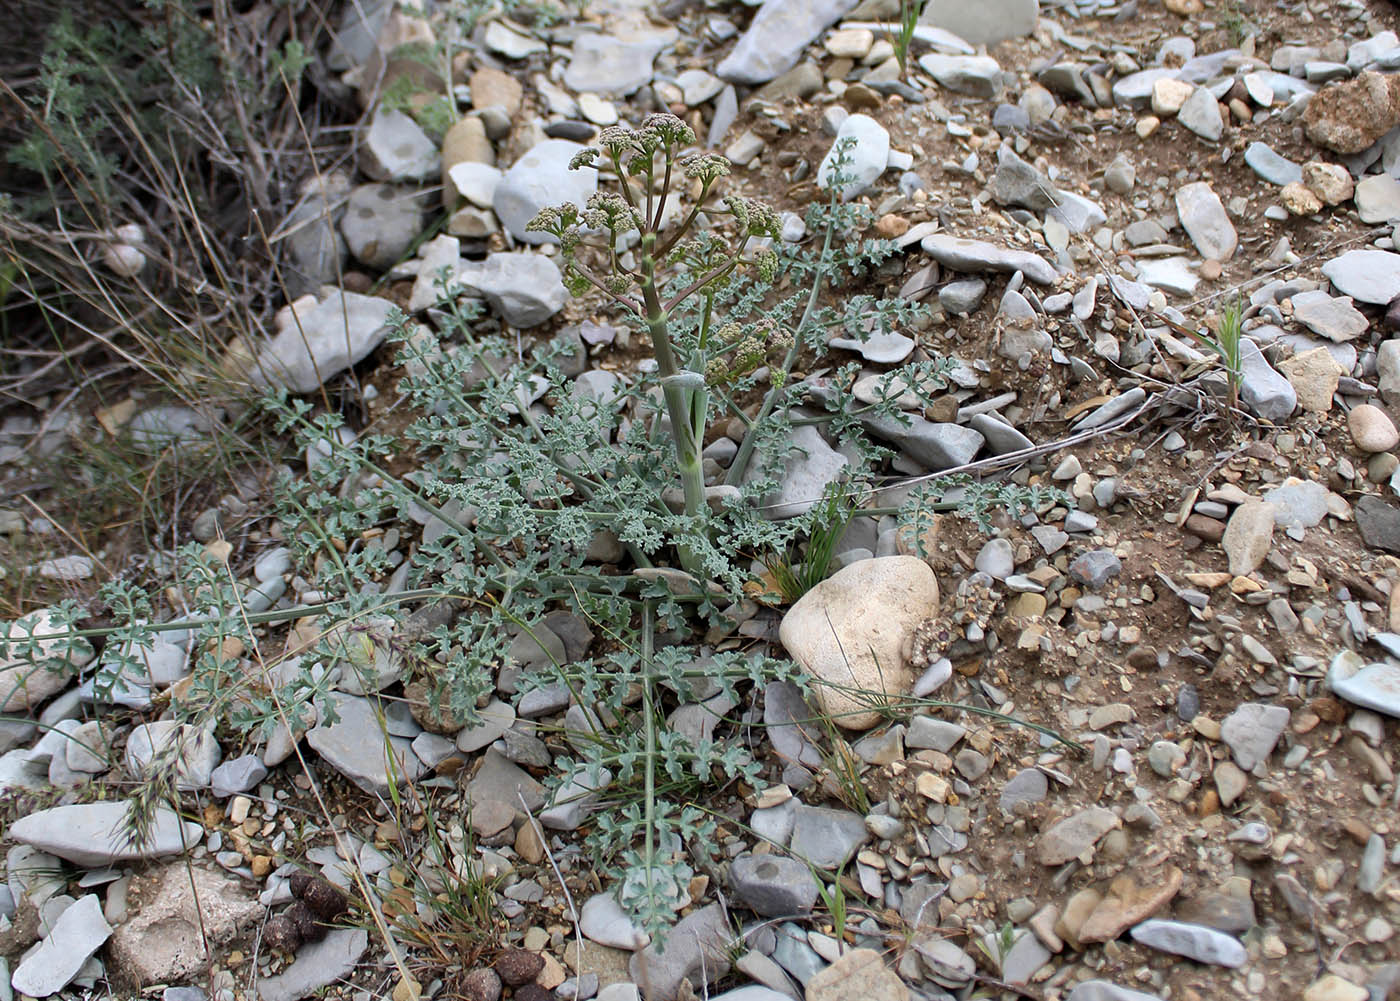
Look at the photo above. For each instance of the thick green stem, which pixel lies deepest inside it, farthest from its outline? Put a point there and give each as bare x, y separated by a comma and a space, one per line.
681, 402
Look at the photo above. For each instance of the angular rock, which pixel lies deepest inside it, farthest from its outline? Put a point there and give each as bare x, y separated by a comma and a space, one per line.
1251, 732
77, 934
381, 221
866, 159
977, 76
773, 885
1314, 376
524, 289
1248, 536
1016, 182
697, 950
1348, 117
1074, 835
1378, 199
1126, 904
358, 747
1372, 686
615, 64
181, 910
1335, 319
1271, 166
41, 661
397, 149
982, 23
317, 964
851, 631
1201, 114
541, 179
323, 341
807, 470
826, 838
857, 973
776, 37
1366, 275
1263, 390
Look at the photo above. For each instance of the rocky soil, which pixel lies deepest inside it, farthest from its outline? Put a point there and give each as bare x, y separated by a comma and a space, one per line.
1215, 621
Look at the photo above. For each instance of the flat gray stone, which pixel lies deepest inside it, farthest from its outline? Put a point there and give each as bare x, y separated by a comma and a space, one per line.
381, 222
357, 747
1000, 436
77, 934
825, 837
1335, 319
807, 470
397, 149
776, 37
1201, 114
317, 964
1198, 942
95, 834
773, 885
1251, 732
973, 256
1271, 166
1301, 504
982, 23
1103, 990
1074, 835
977, 76
1372, 686
603, 920
1262, 389
867, 146
1029, 785
697, 949
1366, 275
1205, 221
615, 65
500, 780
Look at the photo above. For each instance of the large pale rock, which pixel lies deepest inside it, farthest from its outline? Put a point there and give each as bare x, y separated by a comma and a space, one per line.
77, 934
540, 179
95, 834
39, 662
322, 340
776, 37
179, 909
852, 633
857, 973
985, 22
524, 289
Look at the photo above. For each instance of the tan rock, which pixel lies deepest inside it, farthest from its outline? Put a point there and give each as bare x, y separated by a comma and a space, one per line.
1298, 200
1334, 988
1371, 429
177, 909
859, 973
1331, 182
1184, 8
1249, 535
852, 633
465, 142
1349, 116
1078, 909
493, 88
1169, 94
1314, 376
1126, 904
